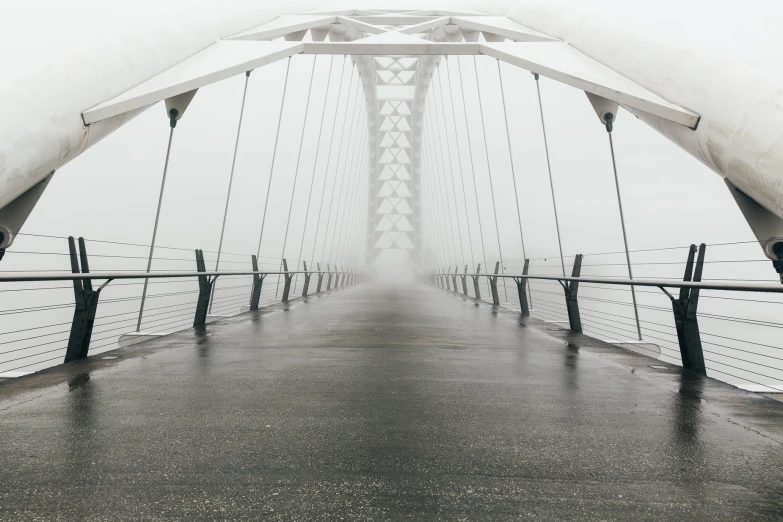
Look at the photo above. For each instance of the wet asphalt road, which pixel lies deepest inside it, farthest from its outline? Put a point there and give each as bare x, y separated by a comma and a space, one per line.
384, 402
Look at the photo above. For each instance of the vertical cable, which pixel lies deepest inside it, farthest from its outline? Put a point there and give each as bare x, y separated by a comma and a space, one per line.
622, 223
352, 224
461, 169
549, 168
472, 167
434, 208
442, 176
157, 219
489, 172
451, 160
328, 158
296, 176
434, 163
342, 178
349, 190
274, 156
315, 164
230, 183
513, 176
337, 166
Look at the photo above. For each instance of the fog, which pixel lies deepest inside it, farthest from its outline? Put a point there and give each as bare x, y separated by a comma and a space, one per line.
109, 196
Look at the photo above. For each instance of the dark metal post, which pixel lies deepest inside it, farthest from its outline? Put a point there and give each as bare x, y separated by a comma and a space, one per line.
685, 318
306, 279
522, 290
288, 277
328, 277
204, 290
465, 281
86, 300
258, 280
571, 289
476, 282
493, 285
320, 278
454, 277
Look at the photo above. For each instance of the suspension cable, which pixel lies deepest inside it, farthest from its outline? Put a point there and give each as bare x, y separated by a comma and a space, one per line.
549, 169
274, 156
459, 156
337, 166
451, 160
230, 183
173, 123
296, 175
352, 224
440, 169
432, 206
609, 119
424, 175
513, 175
315, 163
329, 157
489, 172
434, 164
472, 165
342, 178
364, 187
349, 190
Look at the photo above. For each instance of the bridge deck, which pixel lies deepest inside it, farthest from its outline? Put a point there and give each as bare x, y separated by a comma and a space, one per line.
384, 402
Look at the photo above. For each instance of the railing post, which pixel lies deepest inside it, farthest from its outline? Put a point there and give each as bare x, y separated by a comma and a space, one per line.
493, 285
306, 279
320, 278
258, 281
86, 300
522, 290
328, 277
288, 277
338, 276
571, 289
685, 319
476, 282
465, 281
454, 277
204, 290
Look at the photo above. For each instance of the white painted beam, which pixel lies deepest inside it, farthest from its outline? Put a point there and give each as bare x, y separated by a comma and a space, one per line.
425, 26
400, 19
218, 62
284, 25
501, 26
561, 62
364, 47
360, 26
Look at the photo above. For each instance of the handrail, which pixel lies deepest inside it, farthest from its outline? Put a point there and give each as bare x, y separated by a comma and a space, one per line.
6, 277
658, 283
684, 302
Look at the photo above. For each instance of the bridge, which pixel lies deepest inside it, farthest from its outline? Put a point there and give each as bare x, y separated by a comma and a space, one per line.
388, 264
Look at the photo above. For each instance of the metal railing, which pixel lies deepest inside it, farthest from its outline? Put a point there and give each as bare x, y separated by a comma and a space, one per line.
740, 357
24, 347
